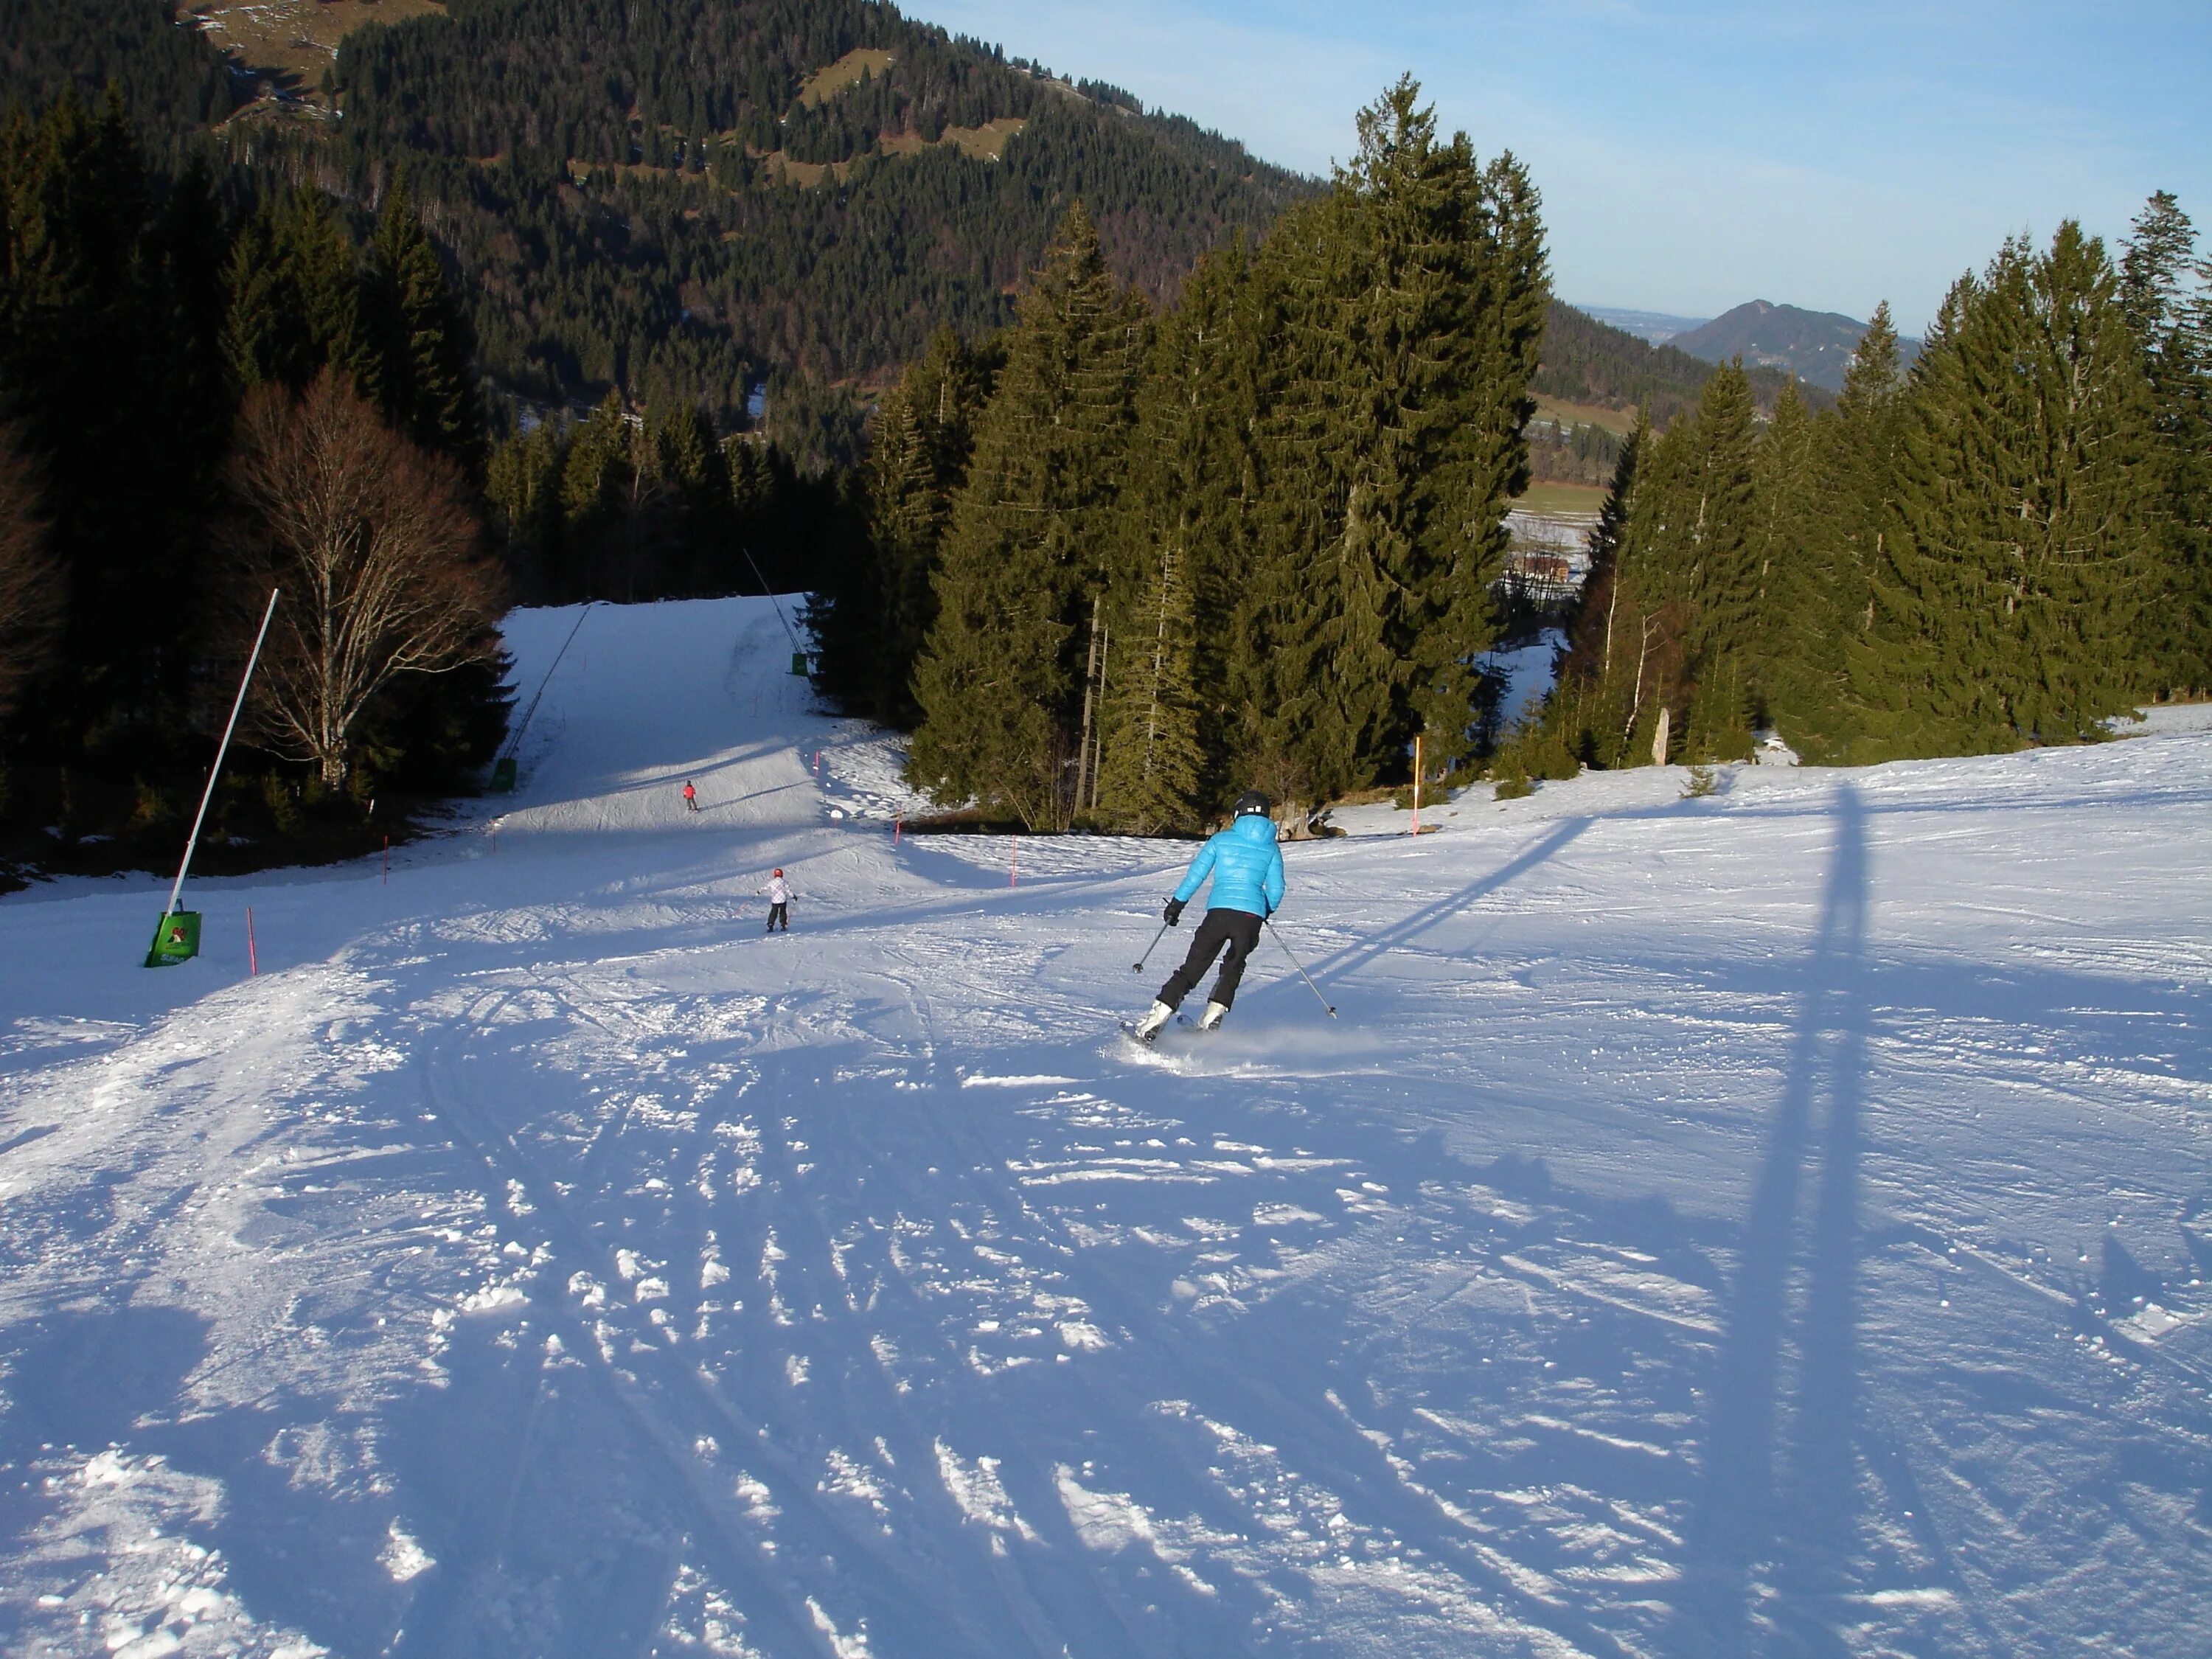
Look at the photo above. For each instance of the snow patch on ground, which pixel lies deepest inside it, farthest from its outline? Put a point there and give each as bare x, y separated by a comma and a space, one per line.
1762, 1222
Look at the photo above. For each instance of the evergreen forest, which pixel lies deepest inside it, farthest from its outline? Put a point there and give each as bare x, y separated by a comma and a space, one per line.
1142, 559
2007, 545
1123, 471
141, 313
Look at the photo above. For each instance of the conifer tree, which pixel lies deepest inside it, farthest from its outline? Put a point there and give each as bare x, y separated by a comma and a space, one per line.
2025, 545
1782, 482
30, 583
906, 520
1590, 706
1688, 571
428, 384
522, 482
1818, 593
1028, 544
1652, 613
1165, 624
2171, 316
296, 287
1304, 682
872, 615
1152, 762
1398, 323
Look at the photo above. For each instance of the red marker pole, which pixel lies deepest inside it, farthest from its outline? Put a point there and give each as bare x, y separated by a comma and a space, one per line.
898, 828
252, 960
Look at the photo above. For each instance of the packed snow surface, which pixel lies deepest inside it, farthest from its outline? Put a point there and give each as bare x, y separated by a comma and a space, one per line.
1774, 1222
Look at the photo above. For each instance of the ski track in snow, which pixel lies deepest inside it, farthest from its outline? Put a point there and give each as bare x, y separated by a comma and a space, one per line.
1768, 1223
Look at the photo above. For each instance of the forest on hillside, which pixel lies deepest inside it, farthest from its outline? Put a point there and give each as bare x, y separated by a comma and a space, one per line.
177, 374
644, 228
1152, 499
664, 225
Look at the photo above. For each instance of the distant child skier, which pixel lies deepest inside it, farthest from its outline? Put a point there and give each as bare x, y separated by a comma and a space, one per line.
779, 901
690, 796
1247, 868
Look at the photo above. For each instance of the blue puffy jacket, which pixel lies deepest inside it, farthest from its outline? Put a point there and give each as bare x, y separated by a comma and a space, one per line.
1246, 864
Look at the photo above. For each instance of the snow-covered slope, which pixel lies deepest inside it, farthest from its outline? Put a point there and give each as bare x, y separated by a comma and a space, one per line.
1770, 1223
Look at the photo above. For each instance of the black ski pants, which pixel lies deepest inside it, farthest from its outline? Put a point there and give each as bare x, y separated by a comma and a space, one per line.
1237, 929
778, 915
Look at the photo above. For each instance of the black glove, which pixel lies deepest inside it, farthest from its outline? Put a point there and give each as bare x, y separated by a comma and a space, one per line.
1174, 913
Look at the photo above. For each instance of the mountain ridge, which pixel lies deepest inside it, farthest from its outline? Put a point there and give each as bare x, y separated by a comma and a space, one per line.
1816, 346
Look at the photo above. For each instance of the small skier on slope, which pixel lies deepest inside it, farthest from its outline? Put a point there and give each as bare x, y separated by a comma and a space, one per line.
690, 796
1247, 868
779, 901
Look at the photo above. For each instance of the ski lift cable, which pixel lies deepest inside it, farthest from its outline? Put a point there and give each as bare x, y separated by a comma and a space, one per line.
513, 744
797, 649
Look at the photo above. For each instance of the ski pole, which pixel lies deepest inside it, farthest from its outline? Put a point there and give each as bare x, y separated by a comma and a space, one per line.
1138, 966
1300, 966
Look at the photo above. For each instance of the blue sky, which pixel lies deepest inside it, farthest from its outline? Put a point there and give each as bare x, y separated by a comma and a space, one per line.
1693, 156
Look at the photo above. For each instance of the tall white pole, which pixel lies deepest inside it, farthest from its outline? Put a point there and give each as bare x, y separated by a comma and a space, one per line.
222, 749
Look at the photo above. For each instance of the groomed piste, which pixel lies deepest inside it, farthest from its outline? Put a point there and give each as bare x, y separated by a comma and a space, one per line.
1768, 1222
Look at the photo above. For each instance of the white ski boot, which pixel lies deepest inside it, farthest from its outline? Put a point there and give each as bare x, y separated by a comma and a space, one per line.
1212, 1018
1149, 1027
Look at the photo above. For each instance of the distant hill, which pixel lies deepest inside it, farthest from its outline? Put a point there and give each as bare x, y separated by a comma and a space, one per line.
1587, 362
1594, 377
1652, 327
680, 198
1816, 346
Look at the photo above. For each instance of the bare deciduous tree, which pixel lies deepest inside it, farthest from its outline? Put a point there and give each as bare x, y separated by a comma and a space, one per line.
372, 542
30, 582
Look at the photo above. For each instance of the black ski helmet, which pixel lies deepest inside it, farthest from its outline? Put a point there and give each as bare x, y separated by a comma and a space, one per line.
1252, 803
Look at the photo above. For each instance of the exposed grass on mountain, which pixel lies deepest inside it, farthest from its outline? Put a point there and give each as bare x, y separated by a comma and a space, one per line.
1574, 414
296, 40
848, 71
987, 142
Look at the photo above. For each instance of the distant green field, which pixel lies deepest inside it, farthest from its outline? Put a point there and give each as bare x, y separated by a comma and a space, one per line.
1567, 414
1562, 500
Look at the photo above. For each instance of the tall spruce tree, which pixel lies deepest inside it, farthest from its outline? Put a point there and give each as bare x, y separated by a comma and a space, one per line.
2025, 542
107, 301
1589, 706
1818, 593
2167, 299
1161, 742
998, 684
1398, 323
1720, 582
427, 383
873, 615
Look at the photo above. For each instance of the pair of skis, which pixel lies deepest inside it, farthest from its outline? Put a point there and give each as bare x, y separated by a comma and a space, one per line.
1138, 967
1148, 1038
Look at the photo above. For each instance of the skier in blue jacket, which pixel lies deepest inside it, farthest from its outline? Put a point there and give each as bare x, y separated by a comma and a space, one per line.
1247, 868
